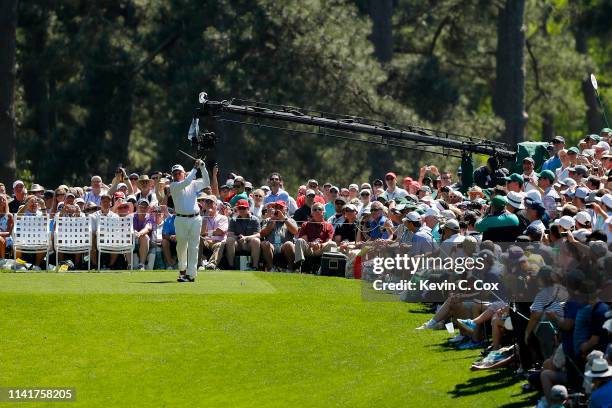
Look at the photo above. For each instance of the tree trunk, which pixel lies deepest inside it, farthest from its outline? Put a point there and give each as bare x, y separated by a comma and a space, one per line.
548, 127
8, 27
593, 114
509, 92
381, 12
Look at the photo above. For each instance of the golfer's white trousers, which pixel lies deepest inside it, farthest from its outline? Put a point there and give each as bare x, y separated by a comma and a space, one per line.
187, 243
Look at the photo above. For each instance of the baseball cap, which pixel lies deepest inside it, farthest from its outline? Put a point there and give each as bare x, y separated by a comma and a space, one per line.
452, 224
18, 182
530, 159
248, 184
594, 137
499, 202
514, 177
582, 192
353, 187
310, 192
79, 201
607, 200
350, 207
334, 188
412, 216
119, 194
558, 139
48, 194
365, 191
431, 212
366, 186
280, 203
391, 174
566, 222
603, 145
581, 169
242, 203
407, 180
121, 185
70, 193
341, 199
174, 168
582, 217
547, 174
573, 150
143, 202
239, 179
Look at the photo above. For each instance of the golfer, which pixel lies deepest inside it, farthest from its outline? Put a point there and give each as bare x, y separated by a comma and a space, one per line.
184, 190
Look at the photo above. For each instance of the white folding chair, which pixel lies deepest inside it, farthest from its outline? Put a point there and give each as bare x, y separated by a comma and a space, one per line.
73, 236
115, 235
31, 235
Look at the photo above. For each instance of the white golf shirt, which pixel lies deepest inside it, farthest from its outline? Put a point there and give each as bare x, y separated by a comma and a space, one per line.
185, 193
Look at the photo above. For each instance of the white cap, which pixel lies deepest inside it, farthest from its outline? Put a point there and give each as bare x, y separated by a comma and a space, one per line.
310, 192
452, 224
17, 182
79, 200
582, 217
353, 187
566, 222
448, 214
607, 200
515, 200
121, 185
534, 195
603, 145
177, 167
412, 216
432, 212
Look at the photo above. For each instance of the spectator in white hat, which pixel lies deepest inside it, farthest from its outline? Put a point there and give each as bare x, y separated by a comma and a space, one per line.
330, 207
601, 376
423, 241
19, 196
353, 191
97, 189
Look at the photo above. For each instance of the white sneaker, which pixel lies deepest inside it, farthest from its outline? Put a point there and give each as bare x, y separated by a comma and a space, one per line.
428, 325
140, 267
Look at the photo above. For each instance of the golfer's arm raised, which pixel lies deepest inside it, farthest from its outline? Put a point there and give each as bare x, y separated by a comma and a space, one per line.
181, 185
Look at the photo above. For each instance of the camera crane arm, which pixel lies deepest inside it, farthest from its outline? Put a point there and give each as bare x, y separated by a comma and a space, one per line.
413, 136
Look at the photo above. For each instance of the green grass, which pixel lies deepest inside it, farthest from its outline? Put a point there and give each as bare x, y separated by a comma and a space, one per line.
232, 339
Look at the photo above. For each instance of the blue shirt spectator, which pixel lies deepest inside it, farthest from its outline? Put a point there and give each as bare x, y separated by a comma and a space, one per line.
168, 227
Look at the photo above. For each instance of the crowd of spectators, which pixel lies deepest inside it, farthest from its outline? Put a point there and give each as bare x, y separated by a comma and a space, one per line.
546, 230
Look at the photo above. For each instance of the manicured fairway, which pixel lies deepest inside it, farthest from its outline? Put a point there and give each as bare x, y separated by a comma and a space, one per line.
232, 339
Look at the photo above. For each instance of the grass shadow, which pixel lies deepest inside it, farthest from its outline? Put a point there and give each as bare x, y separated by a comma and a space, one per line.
479, 385
166, 281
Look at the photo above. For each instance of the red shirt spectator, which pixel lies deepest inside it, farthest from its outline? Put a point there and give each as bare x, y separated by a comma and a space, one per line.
312, 231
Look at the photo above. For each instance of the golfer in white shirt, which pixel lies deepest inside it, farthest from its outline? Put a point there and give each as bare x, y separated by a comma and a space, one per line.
188, 223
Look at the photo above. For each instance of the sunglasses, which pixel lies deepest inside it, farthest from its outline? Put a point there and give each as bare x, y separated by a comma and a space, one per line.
317, 209
365, 194
274, 179
257, 196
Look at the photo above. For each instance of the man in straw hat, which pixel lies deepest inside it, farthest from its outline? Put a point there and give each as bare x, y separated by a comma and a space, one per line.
600, 373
